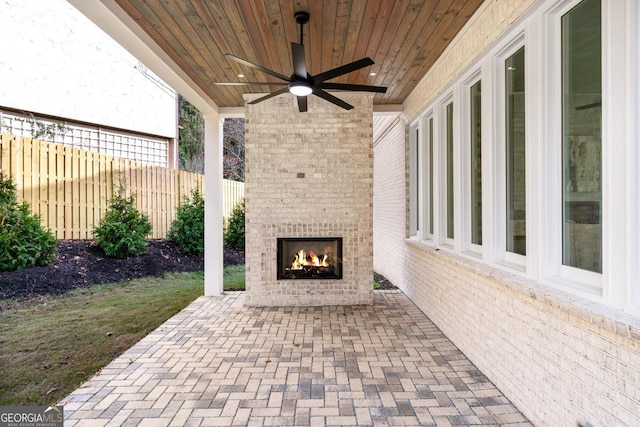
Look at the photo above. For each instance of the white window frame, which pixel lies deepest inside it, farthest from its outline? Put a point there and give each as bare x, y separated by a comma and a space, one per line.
414, 181
632, 288
426, 169
499, 180
441, 143
619, 143
465, 152
617, 284
538, 30
577, 279
419, 179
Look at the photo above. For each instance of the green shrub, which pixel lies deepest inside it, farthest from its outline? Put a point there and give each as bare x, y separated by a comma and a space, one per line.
23, 241
187, 230
234, 231
123, 230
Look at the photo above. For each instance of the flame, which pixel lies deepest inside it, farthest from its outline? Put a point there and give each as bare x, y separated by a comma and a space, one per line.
312, 260
298, 262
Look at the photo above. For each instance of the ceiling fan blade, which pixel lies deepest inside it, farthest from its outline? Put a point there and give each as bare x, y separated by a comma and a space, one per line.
346, 86
328, 97
344, 69
257, 67
251, 83
302, 104
271, 95
299, 66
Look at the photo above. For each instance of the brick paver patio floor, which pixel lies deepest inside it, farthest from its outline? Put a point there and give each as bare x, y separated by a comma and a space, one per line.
220, 363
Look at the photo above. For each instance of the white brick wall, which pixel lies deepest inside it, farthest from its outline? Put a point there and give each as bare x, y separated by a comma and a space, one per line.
561, 359
389, 194
332, 147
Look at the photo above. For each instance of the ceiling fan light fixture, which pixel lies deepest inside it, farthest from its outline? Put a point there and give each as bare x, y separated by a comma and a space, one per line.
300, 88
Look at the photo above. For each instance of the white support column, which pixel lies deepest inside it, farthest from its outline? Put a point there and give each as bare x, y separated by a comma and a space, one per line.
213, 239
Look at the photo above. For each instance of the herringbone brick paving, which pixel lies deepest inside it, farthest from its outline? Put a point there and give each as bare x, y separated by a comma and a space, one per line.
219, 363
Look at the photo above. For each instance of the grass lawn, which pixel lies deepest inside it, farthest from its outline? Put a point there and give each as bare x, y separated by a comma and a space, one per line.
49, 346
234, 278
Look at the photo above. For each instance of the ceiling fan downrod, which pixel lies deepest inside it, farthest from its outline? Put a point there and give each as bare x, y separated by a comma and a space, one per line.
301, 18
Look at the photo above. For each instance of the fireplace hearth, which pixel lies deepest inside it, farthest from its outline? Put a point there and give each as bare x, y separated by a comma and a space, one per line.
309, 258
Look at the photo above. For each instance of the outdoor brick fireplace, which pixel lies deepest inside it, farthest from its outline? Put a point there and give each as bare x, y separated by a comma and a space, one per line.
309, 195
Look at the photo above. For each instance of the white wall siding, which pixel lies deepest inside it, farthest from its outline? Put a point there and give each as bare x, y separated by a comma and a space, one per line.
54, 61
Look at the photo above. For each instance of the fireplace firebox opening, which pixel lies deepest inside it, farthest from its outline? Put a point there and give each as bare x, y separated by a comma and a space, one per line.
310, 258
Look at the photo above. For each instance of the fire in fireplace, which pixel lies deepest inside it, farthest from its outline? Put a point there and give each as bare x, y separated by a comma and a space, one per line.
310, 258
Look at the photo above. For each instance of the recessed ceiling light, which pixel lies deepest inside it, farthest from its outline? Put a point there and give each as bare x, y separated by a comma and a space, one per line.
372, 73
241, 75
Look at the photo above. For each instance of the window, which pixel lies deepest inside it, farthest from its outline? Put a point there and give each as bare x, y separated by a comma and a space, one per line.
430, 175
475, 139
449, 170
515, 153
414, 180
559, 183
581, 137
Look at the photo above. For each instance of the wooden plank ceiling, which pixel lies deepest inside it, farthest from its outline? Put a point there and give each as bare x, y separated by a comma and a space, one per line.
403, 37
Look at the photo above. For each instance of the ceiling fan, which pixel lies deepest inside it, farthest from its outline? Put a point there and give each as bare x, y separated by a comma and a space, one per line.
301, 83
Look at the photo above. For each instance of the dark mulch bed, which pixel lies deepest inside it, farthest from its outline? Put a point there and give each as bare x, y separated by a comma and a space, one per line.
80, 264
384, 282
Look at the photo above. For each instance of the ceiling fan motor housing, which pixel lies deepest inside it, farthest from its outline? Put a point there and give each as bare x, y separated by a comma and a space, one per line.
301, 17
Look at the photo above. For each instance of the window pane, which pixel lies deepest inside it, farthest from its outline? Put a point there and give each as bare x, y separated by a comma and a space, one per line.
476, 164
450, 233
417, 189
581, 136
515, 154
431, 176
414, 184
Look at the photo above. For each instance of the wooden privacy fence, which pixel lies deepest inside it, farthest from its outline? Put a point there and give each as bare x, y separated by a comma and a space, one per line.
233, 192
70, 188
